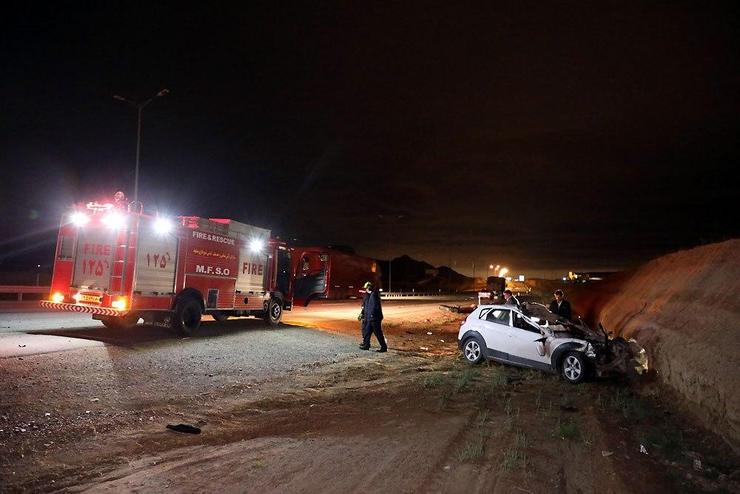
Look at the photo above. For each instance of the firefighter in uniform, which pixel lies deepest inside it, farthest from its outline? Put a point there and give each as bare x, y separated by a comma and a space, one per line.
371, 316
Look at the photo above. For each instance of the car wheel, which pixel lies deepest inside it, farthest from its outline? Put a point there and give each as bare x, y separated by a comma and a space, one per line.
187, 316
573, 367
473, 351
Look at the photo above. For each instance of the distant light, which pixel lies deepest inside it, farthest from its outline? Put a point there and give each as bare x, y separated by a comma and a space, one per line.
163, 226
256, 245
57, 298
565, 278
502, 272
79, 219
114, 220
521, 277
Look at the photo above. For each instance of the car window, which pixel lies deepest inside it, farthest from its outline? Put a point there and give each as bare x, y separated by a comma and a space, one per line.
499, 316
520, 323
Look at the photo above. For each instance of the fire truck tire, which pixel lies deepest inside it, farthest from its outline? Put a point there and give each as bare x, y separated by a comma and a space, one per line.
126, 322
187, 316
219, 316
274, 311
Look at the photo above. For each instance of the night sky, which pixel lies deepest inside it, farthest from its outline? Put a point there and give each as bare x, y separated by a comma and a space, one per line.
585, 137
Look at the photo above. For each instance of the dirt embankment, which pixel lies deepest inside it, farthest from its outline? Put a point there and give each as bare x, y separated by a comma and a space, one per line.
685, 310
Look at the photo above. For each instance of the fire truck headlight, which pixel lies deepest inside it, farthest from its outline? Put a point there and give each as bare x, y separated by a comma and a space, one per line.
114, 220
256, 245
79, 219
119, 303
57, 298
162, 226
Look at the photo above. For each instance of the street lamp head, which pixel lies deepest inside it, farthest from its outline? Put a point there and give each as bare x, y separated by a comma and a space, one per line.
139, 105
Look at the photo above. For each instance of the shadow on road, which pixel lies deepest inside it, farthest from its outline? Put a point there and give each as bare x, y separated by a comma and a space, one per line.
146, 333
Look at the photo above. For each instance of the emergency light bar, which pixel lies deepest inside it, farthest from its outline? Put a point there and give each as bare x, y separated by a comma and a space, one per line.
79, 219
163, 226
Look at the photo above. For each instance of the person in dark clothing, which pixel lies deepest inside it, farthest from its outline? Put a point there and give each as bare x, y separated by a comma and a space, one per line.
560, 306
510, 299
371, 316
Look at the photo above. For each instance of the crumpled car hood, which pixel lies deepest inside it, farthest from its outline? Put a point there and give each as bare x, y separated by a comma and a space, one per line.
557, 328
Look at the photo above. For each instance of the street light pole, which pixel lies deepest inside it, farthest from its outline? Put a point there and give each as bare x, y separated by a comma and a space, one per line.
139, 105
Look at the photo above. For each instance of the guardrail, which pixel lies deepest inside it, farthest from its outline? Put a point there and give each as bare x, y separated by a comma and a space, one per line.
420, 295
21, 290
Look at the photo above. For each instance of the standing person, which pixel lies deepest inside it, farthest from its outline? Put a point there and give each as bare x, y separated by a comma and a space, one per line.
371, 317
560, 306
510, 299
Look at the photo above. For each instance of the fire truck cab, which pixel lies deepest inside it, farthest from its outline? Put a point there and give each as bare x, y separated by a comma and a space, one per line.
325, 273
122, 265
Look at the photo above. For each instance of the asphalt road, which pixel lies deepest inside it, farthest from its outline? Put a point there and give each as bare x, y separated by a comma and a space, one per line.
39, 332
64, 360
54, 353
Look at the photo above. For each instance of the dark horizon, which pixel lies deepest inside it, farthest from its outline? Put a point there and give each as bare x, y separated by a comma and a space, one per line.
546, 139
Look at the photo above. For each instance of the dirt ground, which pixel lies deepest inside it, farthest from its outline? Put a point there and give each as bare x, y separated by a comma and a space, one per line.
417, 419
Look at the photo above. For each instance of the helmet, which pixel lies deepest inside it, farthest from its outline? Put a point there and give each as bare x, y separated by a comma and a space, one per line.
367, 285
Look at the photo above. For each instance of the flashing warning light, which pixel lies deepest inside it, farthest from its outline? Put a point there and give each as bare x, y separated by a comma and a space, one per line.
114, 220
119, 303
57, 298
79, 219
256, 245
163, 226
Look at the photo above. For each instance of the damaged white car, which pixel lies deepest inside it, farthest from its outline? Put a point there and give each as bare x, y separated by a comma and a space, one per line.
531, 336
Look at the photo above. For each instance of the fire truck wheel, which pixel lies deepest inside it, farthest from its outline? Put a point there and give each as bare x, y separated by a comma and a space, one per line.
219, 316
187, 316
120, 322
274, 312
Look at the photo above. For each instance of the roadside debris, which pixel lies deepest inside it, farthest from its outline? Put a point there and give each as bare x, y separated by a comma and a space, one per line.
459, 309
643, 449
606, 453
188, 429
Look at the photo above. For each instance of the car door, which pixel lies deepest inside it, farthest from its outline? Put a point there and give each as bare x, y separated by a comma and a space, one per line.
494, 324
522, 346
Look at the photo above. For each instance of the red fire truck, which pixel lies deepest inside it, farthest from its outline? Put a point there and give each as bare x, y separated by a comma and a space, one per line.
326, 273
121, 266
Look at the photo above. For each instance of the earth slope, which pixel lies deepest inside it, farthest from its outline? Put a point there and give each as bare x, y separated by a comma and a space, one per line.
684, 309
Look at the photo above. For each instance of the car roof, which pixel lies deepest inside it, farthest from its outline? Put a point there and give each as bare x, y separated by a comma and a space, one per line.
499, 306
